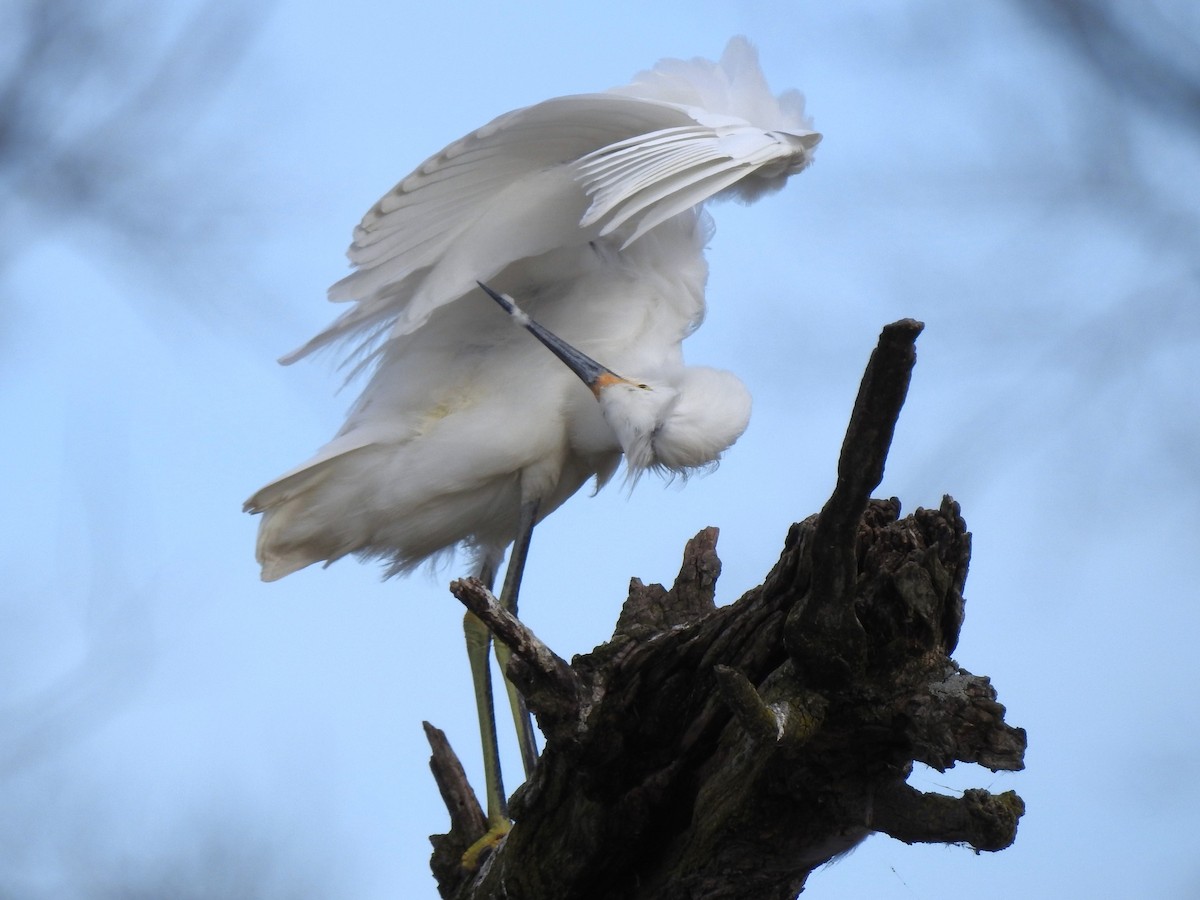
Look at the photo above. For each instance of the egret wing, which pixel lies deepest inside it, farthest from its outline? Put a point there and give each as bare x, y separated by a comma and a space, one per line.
505, 186
562, 173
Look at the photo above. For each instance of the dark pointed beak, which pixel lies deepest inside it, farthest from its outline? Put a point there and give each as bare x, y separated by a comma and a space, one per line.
590, 372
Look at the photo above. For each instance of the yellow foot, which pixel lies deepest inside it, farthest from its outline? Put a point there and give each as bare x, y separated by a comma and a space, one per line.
493, 836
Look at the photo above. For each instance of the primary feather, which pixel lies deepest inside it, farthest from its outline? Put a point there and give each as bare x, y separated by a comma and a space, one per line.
587, 209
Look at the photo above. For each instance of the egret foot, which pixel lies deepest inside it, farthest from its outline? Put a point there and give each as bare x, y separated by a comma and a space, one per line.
496, 832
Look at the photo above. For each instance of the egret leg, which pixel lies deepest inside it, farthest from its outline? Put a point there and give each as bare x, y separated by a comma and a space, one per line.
508, 599
478, 641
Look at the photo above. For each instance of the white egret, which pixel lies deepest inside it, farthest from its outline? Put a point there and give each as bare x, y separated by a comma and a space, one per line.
588, 210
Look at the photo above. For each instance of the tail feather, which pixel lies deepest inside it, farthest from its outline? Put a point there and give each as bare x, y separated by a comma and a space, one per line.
289, 538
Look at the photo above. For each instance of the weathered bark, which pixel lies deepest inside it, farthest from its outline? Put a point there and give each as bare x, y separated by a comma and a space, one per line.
709, 752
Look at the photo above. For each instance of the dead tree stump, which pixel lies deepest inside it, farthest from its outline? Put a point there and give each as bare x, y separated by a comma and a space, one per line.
709, 752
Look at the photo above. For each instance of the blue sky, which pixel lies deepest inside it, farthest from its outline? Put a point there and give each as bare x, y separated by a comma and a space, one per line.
198, 714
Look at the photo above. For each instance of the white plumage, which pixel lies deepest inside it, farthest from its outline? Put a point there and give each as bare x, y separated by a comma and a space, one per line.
587, 211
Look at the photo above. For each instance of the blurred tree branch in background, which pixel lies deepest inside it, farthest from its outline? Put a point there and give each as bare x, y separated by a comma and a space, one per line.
1146, 58
99, 107
1141, 69
98, 104
1146, 53
1108, 181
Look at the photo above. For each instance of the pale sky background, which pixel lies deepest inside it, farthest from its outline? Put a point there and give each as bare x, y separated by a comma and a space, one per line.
170, 725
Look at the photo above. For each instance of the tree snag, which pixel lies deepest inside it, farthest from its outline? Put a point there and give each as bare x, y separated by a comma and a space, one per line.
707, 752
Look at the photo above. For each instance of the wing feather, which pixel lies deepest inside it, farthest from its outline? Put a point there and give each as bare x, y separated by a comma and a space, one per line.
564, 171
410, 251
652, 179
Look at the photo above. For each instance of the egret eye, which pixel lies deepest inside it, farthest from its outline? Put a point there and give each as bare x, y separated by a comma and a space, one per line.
644, 387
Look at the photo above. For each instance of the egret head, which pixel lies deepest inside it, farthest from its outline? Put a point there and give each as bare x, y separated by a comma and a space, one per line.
679, 422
